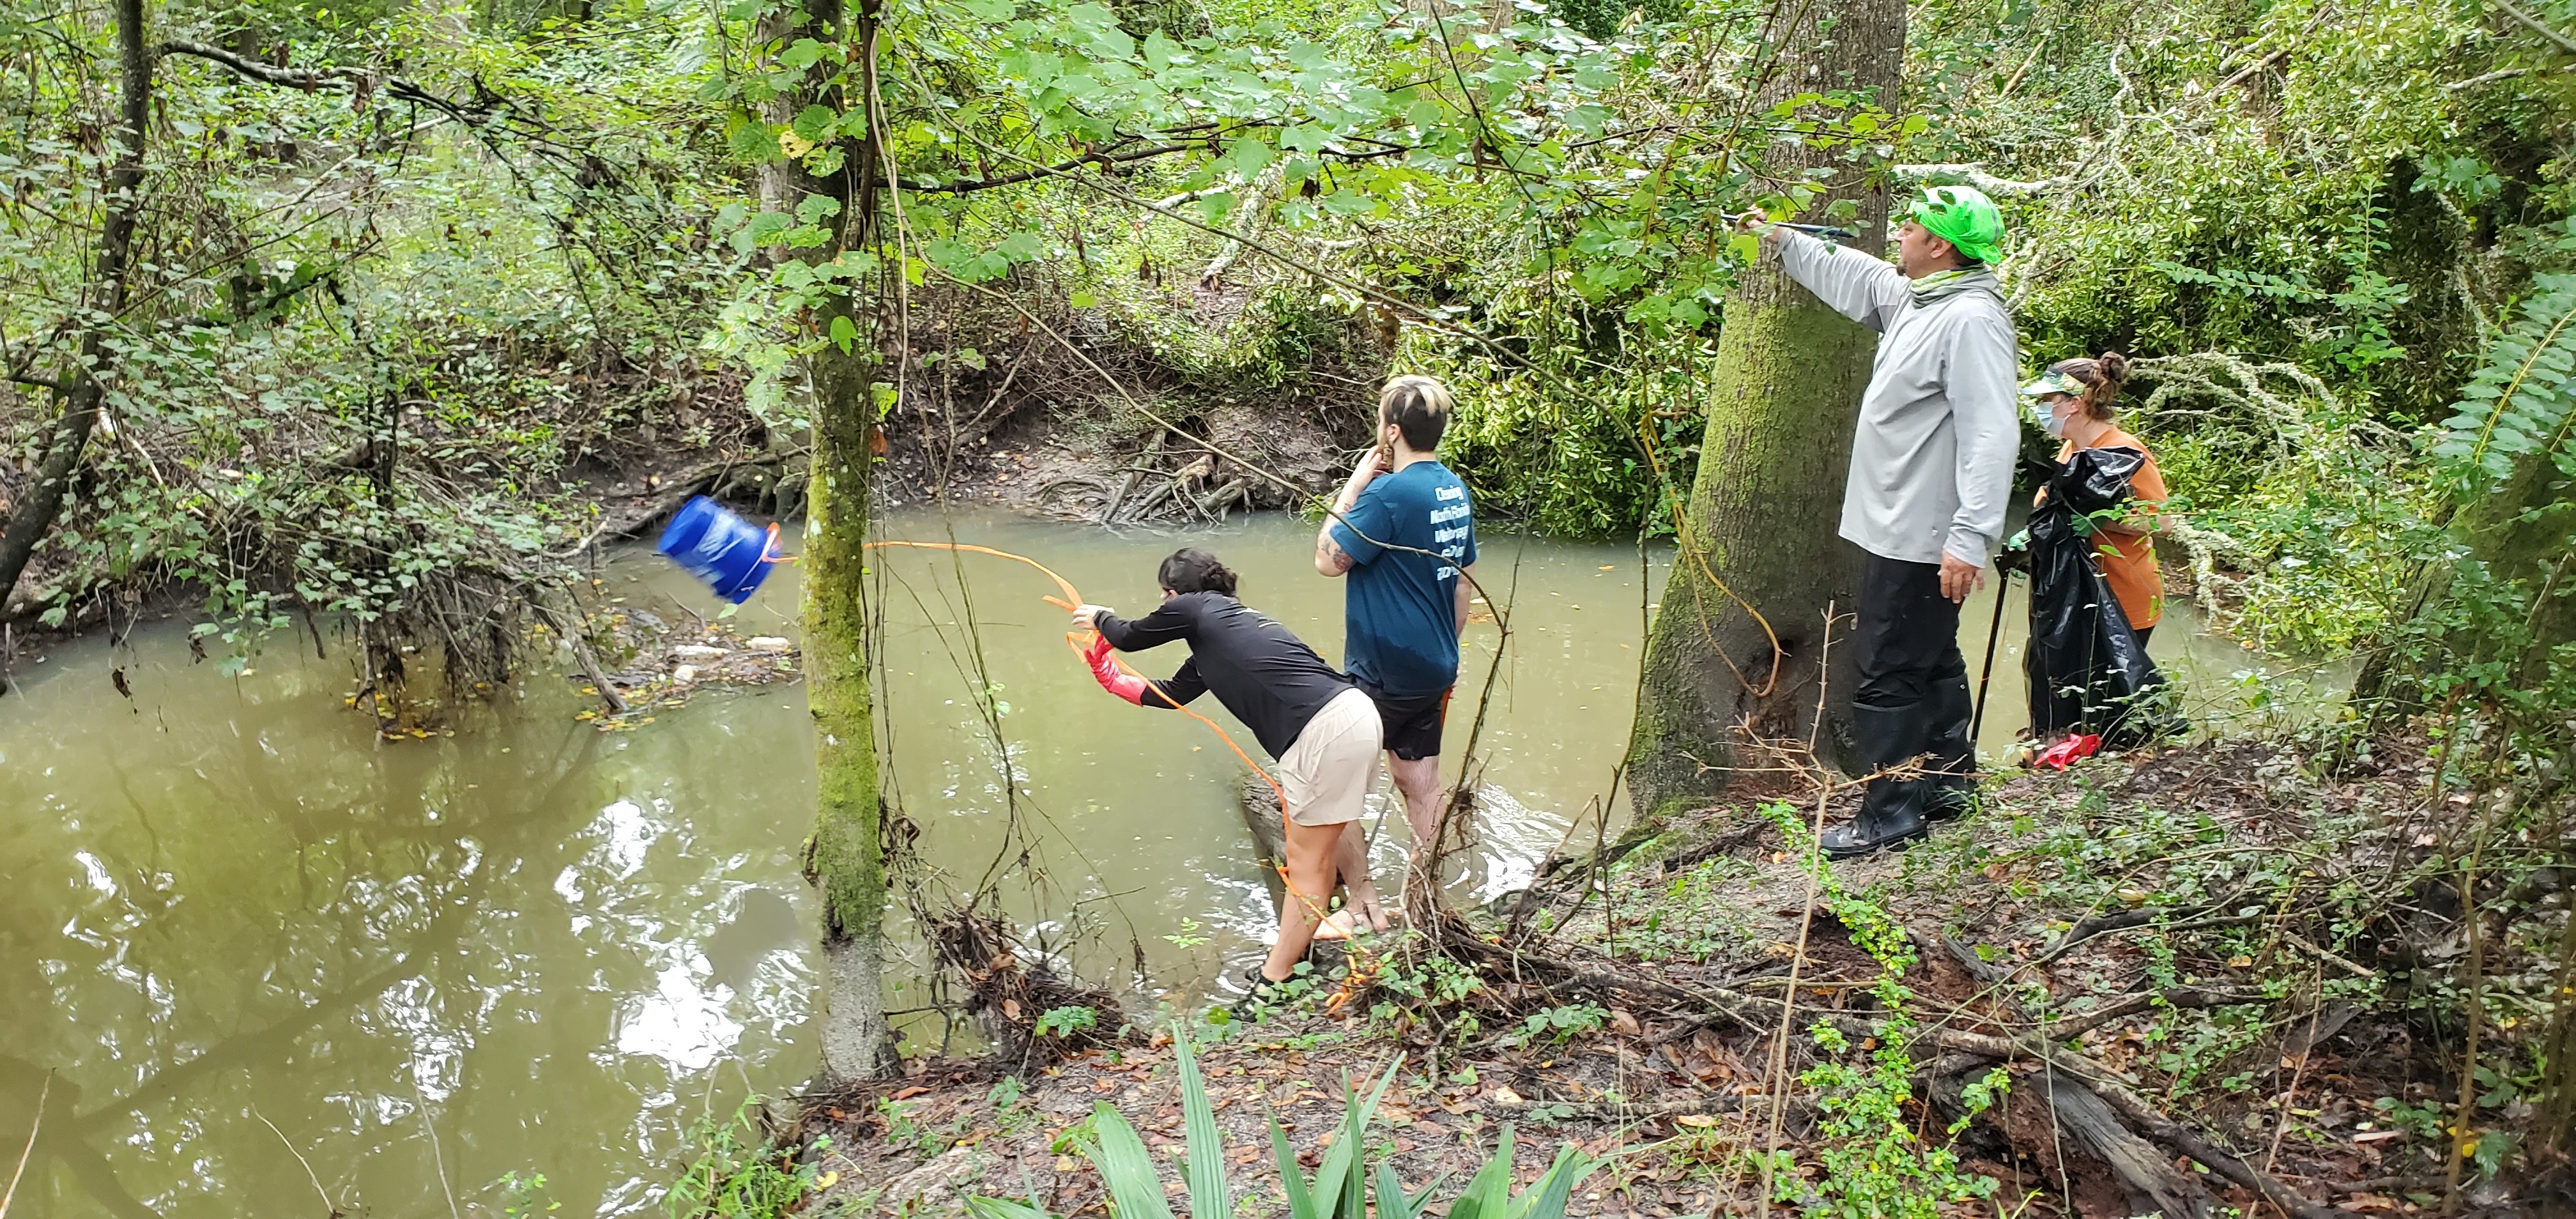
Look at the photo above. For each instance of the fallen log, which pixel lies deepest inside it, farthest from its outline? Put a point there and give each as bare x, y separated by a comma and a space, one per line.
2141, 1115
1127, 486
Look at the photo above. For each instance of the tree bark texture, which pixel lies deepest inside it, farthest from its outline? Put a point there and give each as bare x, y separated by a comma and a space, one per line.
2521, 530
1764, 510
848, 860
82, 386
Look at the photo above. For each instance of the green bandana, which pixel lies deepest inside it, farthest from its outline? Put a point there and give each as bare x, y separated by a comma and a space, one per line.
1964, 217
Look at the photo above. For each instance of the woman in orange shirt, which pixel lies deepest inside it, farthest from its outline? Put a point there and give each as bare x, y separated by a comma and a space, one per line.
2074, 400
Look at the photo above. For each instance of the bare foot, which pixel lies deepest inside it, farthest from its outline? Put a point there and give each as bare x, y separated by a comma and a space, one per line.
1335, 926
1371, 909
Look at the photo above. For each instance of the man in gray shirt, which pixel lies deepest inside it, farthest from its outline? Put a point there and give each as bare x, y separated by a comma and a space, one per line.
1931, 469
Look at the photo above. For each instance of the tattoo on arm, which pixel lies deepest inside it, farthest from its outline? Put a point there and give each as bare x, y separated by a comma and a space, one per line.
1329, 556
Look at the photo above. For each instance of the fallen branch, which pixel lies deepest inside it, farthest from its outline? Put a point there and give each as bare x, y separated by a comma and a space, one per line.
2129, 919
1975, 175
2137, 1112
1127, 486
2177, 996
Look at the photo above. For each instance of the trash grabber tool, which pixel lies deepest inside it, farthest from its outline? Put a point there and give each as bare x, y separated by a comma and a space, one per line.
1994, 635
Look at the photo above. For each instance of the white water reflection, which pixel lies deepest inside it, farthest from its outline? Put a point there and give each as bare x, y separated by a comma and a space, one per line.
225, 899
685, 1022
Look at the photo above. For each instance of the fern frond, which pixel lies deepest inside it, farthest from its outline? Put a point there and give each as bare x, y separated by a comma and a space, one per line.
2522, 400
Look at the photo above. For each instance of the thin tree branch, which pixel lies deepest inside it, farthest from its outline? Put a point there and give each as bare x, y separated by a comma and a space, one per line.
307, 79
965, 186
2510, 10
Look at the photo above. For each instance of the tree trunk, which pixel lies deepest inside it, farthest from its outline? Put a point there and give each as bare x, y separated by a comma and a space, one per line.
2522, 530
848, 854
82, 390
1767, 501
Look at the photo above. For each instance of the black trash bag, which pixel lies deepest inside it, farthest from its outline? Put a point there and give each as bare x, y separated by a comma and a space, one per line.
2086, 670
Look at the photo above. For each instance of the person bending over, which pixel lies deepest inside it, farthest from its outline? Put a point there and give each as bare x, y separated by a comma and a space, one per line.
1404, 531
1320, 728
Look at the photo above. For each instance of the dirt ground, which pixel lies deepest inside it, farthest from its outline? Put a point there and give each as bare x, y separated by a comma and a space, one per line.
2073, 906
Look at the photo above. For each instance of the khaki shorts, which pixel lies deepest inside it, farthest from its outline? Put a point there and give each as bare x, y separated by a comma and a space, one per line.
1329, 769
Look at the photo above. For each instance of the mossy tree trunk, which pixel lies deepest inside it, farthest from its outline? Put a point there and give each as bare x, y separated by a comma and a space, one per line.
2522, 531
847, 855
81, 385
1767, 501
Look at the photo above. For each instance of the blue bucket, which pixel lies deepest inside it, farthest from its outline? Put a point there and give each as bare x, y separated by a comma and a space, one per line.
731, 554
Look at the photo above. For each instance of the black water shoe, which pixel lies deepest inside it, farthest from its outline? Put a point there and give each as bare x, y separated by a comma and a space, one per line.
1262, 994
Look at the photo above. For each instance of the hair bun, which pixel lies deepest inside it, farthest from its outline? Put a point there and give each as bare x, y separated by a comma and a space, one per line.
2114, 367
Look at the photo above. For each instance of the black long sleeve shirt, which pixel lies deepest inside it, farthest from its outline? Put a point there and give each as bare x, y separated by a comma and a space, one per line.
1263, 673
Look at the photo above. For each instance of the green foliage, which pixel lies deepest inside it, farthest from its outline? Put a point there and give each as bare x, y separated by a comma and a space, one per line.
1423, 983
2521, 402
1067, 1021
1874, 1164
738, 1172
1558, 1025
369, 346
524, 1196
1338, 1189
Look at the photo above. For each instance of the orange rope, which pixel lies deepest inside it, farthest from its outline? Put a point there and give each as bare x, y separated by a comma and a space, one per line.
1362, 970
1076, 640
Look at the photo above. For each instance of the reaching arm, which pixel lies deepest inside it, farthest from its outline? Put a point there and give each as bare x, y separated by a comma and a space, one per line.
1853, 284
1171, 621
1173, 691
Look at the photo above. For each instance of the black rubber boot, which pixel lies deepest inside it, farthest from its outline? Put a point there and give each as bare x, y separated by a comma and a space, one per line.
1891, 810
1952, 781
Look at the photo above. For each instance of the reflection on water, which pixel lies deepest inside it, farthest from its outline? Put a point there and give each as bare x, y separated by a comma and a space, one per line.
225, 902
530, 946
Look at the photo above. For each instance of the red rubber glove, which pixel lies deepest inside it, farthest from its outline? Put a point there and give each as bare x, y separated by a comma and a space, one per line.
1105, 671
2064, 753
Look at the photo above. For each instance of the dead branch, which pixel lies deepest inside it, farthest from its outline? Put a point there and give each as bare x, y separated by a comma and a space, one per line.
2155, 1125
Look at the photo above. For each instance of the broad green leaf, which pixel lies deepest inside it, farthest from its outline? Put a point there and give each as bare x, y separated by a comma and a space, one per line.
1488, 1192
1250, 157
1208, 1197
1126, 1167
814, 124
1004, 1208
802, 54
814, 209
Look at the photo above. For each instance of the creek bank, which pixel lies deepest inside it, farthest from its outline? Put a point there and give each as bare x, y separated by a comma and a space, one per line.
2210, 975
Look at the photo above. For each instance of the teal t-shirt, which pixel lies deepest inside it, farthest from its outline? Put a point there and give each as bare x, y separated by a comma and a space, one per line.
1401, 633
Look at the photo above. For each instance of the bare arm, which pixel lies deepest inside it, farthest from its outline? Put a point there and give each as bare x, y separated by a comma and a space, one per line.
1330, 558
1466, 595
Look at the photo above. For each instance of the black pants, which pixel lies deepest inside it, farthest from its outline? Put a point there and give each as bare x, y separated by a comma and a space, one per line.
1909, 633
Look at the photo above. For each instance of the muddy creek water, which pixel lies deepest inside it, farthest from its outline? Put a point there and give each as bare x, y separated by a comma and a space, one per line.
249, 951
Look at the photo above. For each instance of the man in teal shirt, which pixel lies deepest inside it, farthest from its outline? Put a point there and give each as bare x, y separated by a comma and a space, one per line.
1403, 531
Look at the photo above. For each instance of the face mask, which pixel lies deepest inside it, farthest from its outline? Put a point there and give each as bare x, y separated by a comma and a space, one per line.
2049, 420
